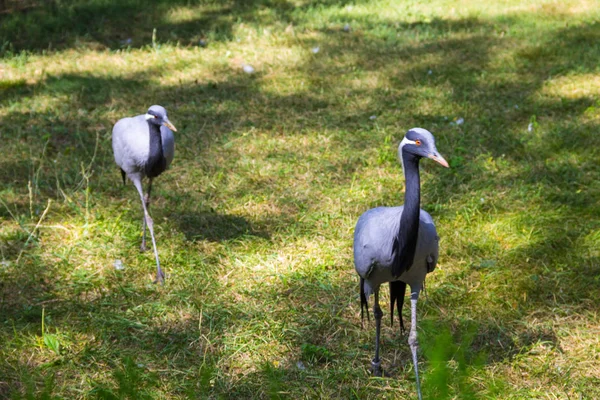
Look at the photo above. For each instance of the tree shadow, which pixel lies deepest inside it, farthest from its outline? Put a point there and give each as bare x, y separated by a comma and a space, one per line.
215, 227
121, 24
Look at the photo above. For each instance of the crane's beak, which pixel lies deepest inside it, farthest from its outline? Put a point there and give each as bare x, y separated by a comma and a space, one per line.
438, 158
169, 125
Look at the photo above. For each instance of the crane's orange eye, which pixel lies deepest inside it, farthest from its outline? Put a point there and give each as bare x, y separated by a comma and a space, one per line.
418, 142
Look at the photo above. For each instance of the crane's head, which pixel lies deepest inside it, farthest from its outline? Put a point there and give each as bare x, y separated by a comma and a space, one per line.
420, 143
157, 115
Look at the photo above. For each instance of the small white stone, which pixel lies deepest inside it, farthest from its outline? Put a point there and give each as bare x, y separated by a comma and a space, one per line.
530, 127
300, 365
5, 263
429, 72
516, 106
315, 50
482, 200
249, 69
373, 117
346, 28
460, 121
119, 265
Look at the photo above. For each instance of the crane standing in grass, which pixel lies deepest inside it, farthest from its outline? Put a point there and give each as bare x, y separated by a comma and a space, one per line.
144, 146
398, 245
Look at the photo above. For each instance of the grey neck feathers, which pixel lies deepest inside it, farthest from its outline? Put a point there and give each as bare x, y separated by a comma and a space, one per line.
405, 243
156, 163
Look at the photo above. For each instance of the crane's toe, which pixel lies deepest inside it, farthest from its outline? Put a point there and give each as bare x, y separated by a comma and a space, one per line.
376, 368
160, 278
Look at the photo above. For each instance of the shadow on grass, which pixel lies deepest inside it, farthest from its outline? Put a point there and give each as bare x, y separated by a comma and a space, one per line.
34, 26
215, 227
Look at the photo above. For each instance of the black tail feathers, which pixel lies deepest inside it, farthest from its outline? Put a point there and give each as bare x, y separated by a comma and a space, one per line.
123, 175
363, 301
397, 292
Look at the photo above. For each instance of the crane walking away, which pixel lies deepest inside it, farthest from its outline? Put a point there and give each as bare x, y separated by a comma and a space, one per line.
144, 146
398, 245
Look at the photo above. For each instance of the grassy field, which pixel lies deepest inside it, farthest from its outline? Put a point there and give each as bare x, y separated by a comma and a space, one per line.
254, 219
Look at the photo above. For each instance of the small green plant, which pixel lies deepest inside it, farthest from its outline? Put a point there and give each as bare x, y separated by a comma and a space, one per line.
131, 382
50, 340
274, 377
33, 393
314, 353
451, 364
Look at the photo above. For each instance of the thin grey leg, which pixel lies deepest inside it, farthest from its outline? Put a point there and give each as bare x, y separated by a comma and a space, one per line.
147, 201
376, 362
160, 276
412, 337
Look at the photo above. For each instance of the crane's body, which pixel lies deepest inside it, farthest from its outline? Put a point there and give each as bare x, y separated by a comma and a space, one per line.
398, 245
373, 257
144, 146
131, 147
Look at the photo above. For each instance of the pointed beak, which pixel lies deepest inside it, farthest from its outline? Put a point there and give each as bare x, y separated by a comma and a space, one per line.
169, 125
438, 158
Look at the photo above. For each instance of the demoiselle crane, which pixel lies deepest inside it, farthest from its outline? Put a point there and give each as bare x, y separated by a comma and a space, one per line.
398, 245
144, 146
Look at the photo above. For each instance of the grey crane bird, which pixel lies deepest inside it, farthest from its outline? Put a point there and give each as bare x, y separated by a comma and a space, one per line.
144, 146
398, 245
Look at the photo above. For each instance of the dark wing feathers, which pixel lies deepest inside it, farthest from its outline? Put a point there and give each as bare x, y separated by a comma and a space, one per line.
364, 305
397, 291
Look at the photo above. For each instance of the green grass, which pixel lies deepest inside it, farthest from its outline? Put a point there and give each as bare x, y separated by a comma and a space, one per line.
254, 220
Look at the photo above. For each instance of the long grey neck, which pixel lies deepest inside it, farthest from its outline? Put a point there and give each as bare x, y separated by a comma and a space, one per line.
156, 160
405, 243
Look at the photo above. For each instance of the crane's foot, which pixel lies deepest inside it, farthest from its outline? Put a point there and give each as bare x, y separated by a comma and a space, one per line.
143, 247
376, 368
160, 277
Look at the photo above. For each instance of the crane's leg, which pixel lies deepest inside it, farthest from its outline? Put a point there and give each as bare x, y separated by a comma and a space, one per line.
376, 362
412, 336
160, 276
147, 201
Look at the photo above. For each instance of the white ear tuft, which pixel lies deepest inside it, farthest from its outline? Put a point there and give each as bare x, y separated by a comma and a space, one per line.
403, 143
149, 116
406, 141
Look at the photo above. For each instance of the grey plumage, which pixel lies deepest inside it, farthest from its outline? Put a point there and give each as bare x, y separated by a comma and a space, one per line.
144, 146
398, 245
131, 142
373, 240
